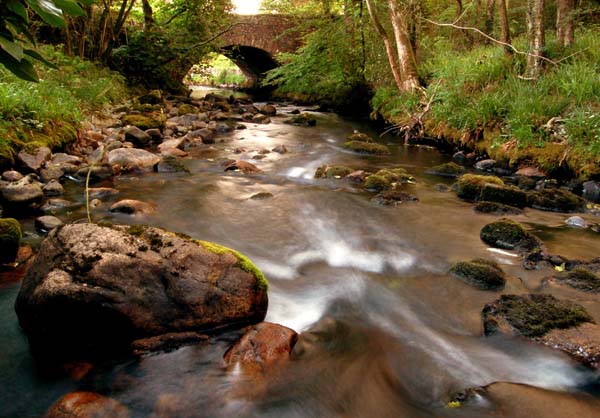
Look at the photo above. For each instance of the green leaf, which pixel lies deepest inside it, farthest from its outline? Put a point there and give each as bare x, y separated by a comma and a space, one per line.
48, 11
13, 49
36, 55
19, 9
70, 7
23, 69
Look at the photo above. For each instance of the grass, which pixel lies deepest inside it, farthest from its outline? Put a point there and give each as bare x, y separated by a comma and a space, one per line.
481, 89
49, 112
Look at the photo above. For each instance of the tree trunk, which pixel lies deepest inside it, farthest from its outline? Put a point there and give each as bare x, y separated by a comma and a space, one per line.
489, 17
535, 37
406, 54
503, 14
386, 41
565, 22
148, 18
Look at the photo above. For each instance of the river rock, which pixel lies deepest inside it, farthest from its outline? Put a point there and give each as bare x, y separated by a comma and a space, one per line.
96, 172
53, 188
447, 170
261, 119
102, 192
94, 289
55, 171
480, 273
10, 238
24, 194
268, 110
262, 196
62, 158
531, 172
34, 161
367, 148
130, 159
55, 204
243, 166
171, 143
171, 164
132, 207
577, 222
262, 347
333, 172
509, 235
138, 137
87, 405
394, 198
508, 195
469, 186
206, 135
12, 175
556, 200
485, 165
494, 208
144, 122
387, 179
591, 191
459, 157
47, 223
280, 149
579, 277
167, 342
303, 119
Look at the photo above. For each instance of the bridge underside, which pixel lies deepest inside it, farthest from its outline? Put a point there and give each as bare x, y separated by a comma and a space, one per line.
254, 62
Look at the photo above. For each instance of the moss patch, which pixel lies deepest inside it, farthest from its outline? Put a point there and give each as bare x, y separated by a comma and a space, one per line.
360, 137
508, 195
495, 208
533, 315
367, 148
581, 279
243, 262
470, 186
10, 238
184, 109
447, 170
144, 122
556, 200
334, 171
386, 178
303, 119
481, 273
509, 235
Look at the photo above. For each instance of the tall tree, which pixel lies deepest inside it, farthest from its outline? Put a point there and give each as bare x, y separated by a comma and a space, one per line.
406, 53
565, 25
504, 25
535, 37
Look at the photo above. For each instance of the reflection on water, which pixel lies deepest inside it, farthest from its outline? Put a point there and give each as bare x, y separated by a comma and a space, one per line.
385, 332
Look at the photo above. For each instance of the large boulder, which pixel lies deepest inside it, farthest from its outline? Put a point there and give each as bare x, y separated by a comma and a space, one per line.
10, 238
133, 159
509, 235
21, 195
92, 289
35, 160
87, 405
556, 200
480, 273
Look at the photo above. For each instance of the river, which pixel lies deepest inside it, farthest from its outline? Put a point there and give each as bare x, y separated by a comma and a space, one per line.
386, 331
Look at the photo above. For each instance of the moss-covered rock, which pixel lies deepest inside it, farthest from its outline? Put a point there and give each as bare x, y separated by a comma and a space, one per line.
508, 195
495, 208
303, 119
469, 186
333, 171
579, 278
532, 315
509, 235
386, 179
394, 198
481, 273
145, 122
556, 200
360, 137
10, 238
185, 109
367, 148
447, 170
153, 97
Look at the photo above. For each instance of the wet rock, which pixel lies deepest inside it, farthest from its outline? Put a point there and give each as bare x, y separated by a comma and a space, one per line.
87, 405
469, 186
531, 172
333, 172
576, 222
129, 159
153, 97
441, 188
55, 204
137, 137
132, 207
47, 223
260, 118
243, 166
144, 122
54, 172
114, 285
360, 137
591, 191
280, 149
102, 192
171, 143
10, 239
485, 165
262, 196
447, 170
207, 135
53, 188
185, 109
367, 148
303, 119
508, 195
358, 176
294, 112
394, 198
581, 342
264, 346
24, 194
480, 273
259, 157
556, 200
580, 278
268, 110
509, 235
12, 175
526, 183
167, 342
171, 164
459, 157
155, 134
494, 208
387, 178
34, 161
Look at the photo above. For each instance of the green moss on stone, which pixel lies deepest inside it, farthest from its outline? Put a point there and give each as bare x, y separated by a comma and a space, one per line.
10, 239
447, 170
144, 122
335, 171
469, 186
243, 262
580, 278
184, 109
377, 183
556, 200
481, 273
304, 119
360, 137
367, 148
386, 178
509, 235
508, 195
534, 315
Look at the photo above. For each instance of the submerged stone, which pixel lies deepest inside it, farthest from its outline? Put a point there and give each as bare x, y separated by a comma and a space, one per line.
469, 186
367, 148
556, 200
447, 170
579, 278
333, 171
509, 235
495, 208
304, 119
481, 273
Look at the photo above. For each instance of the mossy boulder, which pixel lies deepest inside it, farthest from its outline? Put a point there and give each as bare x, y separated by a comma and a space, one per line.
367, 148
153, 97
579, 278
509, 235
186, 109
508, 195
360, 137
10, 238
447, 170
394, 198
531, 315
93, 289
495, 208
386, 179
144, 122
556, 200
480, 273
304, 119
469, 186
333, 171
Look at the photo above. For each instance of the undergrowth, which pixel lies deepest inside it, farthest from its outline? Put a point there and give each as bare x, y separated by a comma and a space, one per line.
49, 112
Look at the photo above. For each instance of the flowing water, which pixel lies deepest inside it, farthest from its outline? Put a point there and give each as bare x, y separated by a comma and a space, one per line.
385, 331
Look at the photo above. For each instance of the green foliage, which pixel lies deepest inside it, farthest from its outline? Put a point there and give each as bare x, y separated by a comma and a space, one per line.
48, 112
216, 70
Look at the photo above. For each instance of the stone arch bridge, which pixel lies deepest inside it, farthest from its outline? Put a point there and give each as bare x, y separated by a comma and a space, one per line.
254, 41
